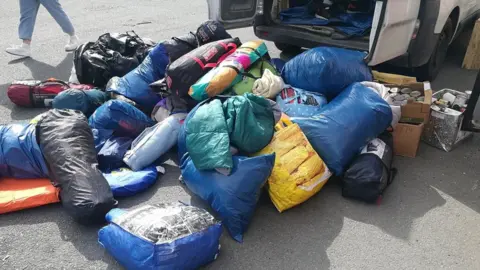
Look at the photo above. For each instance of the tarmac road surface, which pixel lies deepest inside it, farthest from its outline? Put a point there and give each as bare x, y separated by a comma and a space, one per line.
429, 218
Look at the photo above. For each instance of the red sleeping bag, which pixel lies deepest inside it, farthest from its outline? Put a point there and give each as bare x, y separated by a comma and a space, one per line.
39, 94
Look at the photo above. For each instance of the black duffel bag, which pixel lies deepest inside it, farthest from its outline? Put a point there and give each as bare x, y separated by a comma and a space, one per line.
111, 55
66, 141
371, 172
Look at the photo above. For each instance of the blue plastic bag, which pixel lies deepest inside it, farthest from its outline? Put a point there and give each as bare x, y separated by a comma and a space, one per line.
125, 182
296, 102
136, 84
20, 154
162, 236
345, 125
326, 70
119, 118
233, 197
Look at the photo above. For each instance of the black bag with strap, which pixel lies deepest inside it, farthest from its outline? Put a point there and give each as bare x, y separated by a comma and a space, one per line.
371, 172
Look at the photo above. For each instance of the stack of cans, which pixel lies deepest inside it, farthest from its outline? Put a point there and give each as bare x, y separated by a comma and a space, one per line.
401, 97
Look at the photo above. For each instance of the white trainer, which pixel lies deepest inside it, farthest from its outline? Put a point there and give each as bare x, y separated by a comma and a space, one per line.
72, 44
19, 50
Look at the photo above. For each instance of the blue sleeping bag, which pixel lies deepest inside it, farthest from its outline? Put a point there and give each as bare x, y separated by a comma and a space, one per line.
20, 154
326, 70
136, 84
125, 182
345, 125
110, 157
162, 236
233, 197
154, 142
119, 118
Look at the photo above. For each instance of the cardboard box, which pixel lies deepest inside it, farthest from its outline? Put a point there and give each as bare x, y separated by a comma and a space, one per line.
414, 111
406, 139
392, 78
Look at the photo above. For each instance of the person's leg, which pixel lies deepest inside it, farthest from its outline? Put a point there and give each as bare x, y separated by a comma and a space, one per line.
56, 11
28, 15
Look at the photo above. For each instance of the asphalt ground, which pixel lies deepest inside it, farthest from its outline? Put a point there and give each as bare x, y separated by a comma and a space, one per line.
429, 218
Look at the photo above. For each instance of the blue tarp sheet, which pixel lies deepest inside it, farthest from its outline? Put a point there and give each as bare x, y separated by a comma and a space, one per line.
351, 24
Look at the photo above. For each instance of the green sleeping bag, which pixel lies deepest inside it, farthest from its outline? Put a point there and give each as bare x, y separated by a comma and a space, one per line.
254, 72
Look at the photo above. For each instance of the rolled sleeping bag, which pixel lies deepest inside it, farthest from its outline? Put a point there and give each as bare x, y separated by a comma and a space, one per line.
154, 142
136, 84
67, 144
125, 182
188, 69
345, 125
20, 154
369, 175
117, 117
229, 72
76, 99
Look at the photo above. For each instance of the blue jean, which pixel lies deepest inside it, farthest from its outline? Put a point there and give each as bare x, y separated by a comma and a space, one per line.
28, 15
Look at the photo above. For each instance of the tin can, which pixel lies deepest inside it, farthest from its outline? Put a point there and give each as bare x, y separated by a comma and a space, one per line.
394, 90
406, 91
415, 94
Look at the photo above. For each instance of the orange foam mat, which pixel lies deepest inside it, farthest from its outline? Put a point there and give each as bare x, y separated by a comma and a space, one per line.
19, 194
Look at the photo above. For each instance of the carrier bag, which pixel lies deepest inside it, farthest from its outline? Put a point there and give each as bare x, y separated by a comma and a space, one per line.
136, 84
162, 236
19, 194
299, 172
67, 143
39, 94
119, 118
125, 182
371, 172
186, 70
20, 154
345, 125
229, 72
326, 70
233, 197
296, 102
154, 142
76, 99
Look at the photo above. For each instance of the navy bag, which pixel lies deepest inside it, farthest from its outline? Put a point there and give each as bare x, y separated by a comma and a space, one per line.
326, 70
125, 182
119, 118
136, 84
86, 101
345, 125
111, 155
20, 155
162, 236
233, 197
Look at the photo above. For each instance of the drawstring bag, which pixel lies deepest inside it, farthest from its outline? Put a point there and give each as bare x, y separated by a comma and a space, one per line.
371, 172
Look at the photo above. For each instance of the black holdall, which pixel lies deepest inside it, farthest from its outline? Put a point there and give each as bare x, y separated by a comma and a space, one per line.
371, 172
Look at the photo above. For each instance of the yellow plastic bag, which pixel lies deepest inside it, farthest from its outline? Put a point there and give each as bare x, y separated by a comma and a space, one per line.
299, 172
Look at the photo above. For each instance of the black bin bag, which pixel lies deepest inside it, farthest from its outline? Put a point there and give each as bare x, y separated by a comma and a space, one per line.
371, 172
66, 141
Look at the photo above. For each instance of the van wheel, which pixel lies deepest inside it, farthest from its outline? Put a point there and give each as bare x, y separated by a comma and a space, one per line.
284, 47
430, 70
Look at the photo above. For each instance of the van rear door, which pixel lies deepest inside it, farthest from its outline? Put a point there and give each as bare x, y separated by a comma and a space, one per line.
234, 13
394, 23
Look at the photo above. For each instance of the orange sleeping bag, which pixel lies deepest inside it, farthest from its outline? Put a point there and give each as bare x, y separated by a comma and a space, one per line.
19, 194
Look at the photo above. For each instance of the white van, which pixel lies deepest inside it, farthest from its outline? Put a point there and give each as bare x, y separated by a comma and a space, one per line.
407, 33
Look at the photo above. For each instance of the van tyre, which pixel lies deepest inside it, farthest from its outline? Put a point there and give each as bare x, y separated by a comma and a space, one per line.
284, 47
430, 70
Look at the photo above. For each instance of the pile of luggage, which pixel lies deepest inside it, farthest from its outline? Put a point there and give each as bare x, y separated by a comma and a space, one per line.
241, 121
